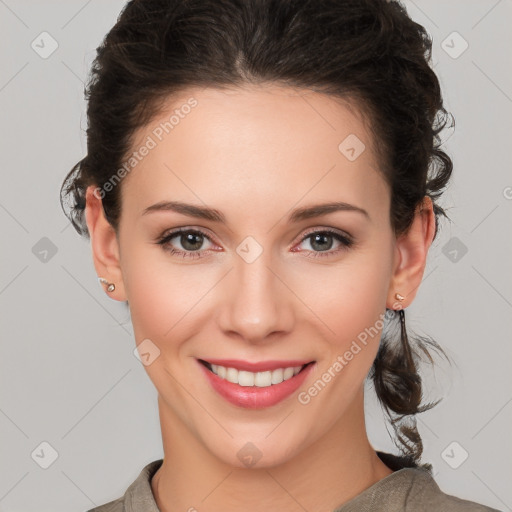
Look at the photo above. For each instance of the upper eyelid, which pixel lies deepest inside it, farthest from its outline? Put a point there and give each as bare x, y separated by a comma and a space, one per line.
324, 229
171, 233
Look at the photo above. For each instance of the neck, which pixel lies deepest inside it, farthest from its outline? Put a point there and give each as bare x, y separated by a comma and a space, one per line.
328, 473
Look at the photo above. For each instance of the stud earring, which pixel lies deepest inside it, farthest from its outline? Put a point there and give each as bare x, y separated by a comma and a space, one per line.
110, 286
398, 305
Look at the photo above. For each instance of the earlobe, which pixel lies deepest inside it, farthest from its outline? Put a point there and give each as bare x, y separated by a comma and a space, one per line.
104, 246
411, 256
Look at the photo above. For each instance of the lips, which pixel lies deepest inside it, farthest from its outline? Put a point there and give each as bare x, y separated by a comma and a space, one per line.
253, 397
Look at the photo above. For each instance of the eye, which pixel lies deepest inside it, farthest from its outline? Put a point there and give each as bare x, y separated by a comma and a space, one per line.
322, 241
191, 240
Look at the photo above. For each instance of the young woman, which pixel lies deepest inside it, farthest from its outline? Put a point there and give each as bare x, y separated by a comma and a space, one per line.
260, 188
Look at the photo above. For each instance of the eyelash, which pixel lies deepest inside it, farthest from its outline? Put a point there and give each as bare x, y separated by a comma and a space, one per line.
346, 241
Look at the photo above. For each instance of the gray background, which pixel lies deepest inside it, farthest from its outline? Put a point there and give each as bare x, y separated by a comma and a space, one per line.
69, 377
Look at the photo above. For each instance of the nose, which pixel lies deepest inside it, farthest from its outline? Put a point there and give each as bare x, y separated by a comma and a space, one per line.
255, 302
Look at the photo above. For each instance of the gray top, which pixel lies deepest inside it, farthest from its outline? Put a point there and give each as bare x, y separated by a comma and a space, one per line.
411, 489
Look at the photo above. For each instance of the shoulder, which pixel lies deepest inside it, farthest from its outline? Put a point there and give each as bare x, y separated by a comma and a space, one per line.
425, 494
138, 495
111, 506
410, 488
413, 488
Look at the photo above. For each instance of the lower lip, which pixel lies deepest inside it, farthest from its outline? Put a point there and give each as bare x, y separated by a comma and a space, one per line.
253, 397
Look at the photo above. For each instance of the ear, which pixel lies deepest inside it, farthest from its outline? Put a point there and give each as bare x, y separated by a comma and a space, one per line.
104, 244
411, 252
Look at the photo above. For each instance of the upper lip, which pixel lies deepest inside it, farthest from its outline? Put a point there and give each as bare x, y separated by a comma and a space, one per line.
256, 367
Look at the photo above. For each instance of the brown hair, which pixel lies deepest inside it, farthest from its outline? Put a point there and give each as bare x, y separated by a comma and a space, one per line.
367, 51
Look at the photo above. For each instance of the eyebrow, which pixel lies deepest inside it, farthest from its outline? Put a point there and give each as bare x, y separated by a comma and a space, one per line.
299, 214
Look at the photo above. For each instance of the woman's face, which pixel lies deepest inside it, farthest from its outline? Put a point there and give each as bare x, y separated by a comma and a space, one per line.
258, 285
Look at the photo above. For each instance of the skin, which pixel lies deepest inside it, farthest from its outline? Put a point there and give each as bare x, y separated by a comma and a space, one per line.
255, 153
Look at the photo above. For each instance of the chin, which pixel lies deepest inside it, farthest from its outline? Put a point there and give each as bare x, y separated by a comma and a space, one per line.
255, 452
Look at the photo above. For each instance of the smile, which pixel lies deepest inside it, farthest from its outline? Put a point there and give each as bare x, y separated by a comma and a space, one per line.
258, 379
256, 390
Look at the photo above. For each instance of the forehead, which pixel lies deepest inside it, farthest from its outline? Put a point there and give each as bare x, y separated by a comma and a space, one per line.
255, 144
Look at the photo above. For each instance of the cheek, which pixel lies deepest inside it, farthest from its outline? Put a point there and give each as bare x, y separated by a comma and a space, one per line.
348, 296
350, 315
162, 294
347, 303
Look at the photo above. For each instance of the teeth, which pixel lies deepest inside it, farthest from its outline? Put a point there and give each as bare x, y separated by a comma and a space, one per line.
259, 379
